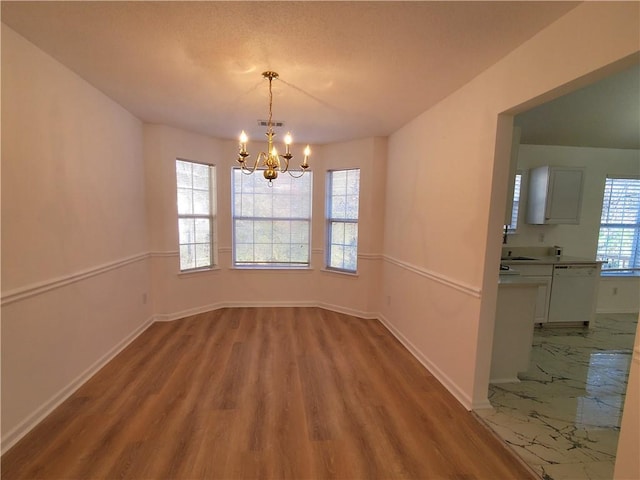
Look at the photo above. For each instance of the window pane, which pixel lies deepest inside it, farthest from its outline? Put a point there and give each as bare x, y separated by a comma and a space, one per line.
282, 253
187, 257
187, 230
339, 182
244, 253
183, 174
185, 201
300, 232
203, 230
350, 258
203, 255
263, 253
351, 207
263, 205
338, 207
244, 231
300, 253
201, 177
337, 233
281, 232
353, 182
262, 231
351, 234
337, 256
201, 202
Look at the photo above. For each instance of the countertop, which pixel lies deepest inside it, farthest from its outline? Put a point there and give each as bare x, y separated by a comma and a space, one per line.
510, 280
550, 260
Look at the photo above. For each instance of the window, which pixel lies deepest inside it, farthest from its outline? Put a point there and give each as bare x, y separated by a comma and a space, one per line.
516, 204
619, 239
343, 191
196, 214
271, 225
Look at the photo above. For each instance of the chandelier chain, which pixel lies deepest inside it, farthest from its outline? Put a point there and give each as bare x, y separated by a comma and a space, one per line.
270, 102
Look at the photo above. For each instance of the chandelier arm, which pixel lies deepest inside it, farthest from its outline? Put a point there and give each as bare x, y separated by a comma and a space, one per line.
249, 170
286, 164
290, 172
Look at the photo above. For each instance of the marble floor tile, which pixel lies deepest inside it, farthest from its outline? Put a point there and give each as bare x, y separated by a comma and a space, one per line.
563, 417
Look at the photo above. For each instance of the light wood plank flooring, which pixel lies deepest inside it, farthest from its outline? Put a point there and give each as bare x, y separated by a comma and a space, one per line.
299, 393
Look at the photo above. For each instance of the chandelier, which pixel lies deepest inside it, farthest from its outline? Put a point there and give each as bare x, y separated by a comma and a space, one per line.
271, 162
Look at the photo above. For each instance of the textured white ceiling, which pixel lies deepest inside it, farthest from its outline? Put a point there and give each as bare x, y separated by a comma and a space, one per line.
347, 69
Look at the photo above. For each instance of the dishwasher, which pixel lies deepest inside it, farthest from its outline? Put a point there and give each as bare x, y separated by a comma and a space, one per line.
574, 289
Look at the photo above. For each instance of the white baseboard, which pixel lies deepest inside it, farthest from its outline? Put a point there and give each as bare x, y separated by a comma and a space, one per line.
443, 378
348, 311
505, 380
169, 317
16, 433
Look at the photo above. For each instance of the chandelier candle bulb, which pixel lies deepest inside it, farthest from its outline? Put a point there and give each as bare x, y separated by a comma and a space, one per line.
243, 142
287, 142
307, 152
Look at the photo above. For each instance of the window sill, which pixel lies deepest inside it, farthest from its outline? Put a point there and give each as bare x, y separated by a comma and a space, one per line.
619, 274
273, 269
198, 271
340, 272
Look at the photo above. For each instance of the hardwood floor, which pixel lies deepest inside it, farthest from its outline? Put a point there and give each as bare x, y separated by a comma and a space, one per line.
262, 393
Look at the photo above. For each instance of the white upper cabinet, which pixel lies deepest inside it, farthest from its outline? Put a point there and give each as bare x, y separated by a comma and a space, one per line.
555, 195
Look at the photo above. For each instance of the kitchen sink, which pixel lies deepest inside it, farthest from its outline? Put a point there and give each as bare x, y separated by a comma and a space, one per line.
518, 258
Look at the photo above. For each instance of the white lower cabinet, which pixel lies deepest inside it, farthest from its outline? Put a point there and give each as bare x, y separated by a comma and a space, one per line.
542, 275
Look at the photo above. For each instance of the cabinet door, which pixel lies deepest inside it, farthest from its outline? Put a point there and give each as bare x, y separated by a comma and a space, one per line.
565, 195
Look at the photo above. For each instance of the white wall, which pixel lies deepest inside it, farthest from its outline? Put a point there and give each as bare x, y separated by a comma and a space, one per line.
177, 295
74, 263
444, 218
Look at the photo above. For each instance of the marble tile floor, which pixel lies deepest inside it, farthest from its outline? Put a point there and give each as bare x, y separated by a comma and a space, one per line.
563, 417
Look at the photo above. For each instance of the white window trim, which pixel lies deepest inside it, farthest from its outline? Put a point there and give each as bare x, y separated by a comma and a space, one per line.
212, 216
329, 220
619, 272
275, 266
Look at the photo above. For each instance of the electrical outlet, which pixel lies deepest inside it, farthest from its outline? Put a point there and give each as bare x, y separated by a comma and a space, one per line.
541, 237
614, 291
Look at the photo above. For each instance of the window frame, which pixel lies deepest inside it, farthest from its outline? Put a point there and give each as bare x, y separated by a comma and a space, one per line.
329, 220
292, 265
634, 268
211, 217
